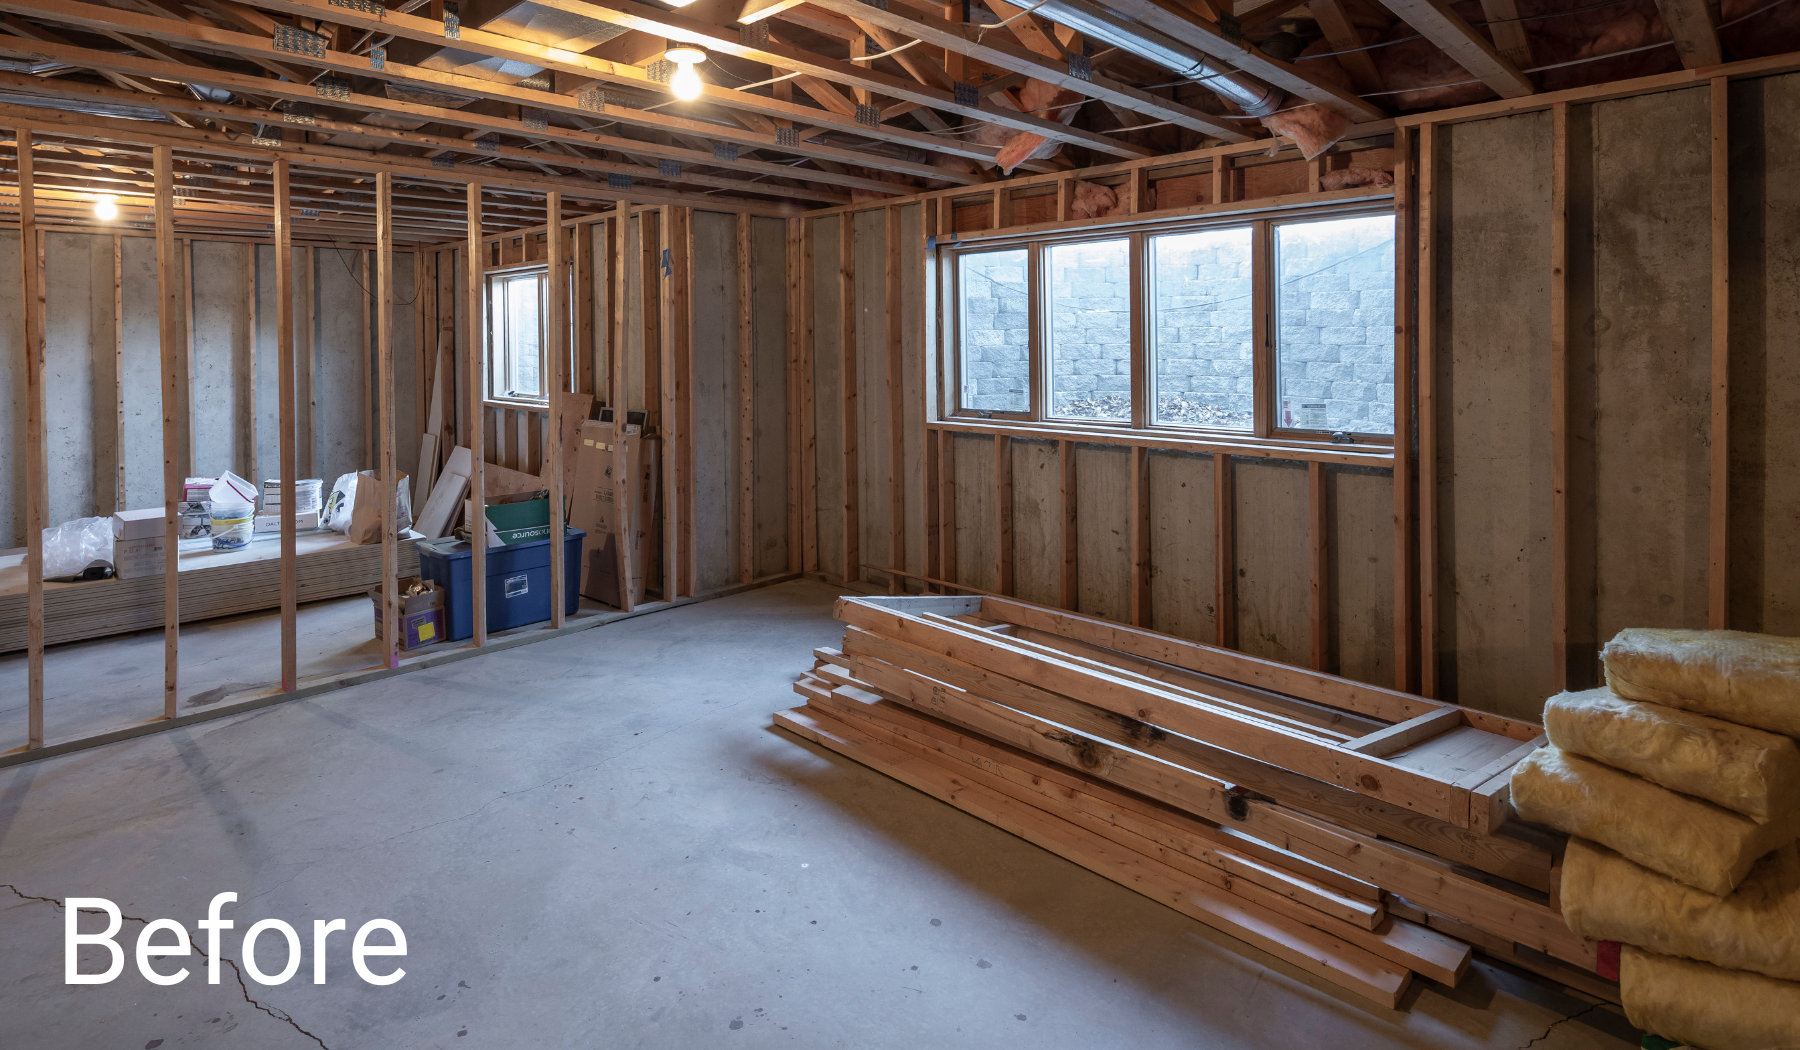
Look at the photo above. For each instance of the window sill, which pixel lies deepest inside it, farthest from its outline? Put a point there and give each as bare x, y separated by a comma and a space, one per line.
1323, 451
529, 406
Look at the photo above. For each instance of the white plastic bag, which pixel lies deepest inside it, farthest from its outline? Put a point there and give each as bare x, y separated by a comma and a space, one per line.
340, 505
72, 547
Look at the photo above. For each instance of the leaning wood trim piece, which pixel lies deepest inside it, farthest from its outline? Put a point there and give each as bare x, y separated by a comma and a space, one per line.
474, 256
1300, 752
1402, 735
1427, 391
1559, 396
285, 427
1343, 693
556, 383
847, 380
1297, 945
37, 464
1719, 489
168, 321
384, 340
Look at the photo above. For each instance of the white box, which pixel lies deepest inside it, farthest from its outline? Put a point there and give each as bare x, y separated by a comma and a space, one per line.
137, 558
138, 524
271, 523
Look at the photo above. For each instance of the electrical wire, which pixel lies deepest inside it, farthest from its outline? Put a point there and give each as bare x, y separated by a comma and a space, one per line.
1013, 17
890, 51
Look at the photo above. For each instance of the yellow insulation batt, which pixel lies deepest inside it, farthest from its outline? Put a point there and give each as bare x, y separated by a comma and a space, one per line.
1748, 771
1608, 898
1695, 842
1750, 679
1706, 1005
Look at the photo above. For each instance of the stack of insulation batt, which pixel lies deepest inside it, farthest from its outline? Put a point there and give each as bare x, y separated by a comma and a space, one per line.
1680, 786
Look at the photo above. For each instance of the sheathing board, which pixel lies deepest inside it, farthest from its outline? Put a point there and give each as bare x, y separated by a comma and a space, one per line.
1103, 531
1037, 521
828, 394
1492, 372
1183, 573
976, 524
1765, 356
1359, 574
1270, 555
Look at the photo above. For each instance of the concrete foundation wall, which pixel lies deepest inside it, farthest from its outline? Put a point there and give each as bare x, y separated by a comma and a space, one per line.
103, 370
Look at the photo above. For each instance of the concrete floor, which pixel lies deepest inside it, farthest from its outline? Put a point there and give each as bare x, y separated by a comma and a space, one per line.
598, 841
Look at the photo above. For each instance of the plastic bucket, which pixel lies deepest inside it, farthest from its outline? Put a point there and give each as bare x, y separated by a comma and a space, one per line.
232, 525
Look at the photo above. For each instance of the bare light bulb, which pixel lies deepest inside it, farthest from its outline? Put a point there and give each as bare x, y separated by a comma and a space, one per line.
105, 209
686, 83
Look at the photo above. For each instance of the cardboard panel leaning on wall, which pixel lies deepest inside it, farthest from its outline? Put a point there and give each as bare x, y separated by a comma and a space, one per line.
1765, 356
715, 393
828, 437
1103, 530
1493, 414
975, 521
769, 336
79, 397
1359, 605
222, 382
872, 439
1271, 545
1037, 521
1651, 337
1183, 570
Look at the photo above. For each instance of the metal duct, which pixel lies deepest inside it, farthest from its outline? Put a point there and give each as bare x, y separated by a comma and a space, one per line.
1241, 89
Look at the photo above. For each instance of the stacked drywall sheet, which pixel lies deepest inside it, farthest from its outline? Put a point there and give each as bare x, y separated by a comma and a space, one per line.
1680, 784
1343, 847
213, 583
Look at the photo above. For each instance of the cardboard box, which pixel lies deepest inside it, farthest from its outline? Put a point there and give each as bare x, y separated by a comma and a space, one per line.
617, 540
421, 616
522, 521
138, 524
270, 524
134, 559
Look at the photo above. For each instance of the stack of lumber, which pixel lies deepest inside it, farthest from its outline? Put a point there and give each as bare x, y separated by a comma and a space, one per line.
212, 583
1351, 831
1680, 784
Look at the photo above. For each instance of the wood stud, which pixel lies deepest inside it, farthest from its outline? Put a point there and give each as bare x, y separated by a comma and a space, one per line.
286, 427
1718, 615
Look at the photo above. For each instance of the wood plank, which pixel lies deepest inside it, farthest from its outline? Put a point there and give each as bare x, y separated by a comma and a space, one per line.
185, 246
1003, 514
384, 341
1070, 582
1508, 31
1427, 410
794, 402
119, 493
286, 425
1719, 489
1690, 25
746, 410
999, 664
474, 258
1405, 482
173, 476
848, 381
1332, 960
804, 315
1319, 539
1140, 536
556, 377
1560, 327
681, 275
1435, 20
368, 360
947, 502
896, 396
1224, 554
1405, 734
37, 463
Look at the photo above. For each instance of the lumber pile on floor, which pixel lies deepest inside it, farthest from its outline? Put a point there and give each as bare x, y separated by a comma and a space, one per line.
1131, 755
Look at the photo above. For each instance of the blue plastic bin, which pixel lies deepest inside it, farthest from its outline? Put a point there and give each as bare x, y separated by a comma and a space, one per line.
518, 581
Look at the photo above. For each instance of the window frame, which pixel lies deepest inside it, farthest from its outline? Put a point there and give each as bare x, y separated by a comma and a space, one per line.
1265, 399
494, 361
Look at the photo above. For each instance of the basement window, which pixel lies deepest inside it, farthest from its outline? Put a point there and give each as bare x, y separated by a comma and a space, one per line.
518, 307
1279, 327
